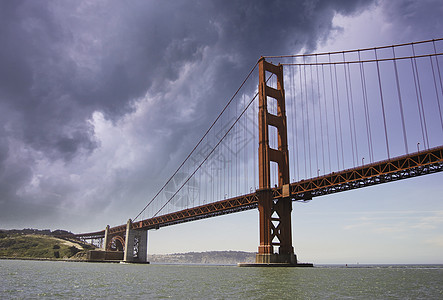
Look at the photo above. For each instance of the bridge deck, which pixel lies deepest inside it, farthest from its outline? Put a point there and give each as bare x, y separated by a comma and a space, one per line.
407, 166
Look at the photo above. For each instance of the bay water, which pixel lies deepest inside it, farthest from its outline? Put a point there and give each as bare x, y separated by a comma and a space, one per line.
20, 279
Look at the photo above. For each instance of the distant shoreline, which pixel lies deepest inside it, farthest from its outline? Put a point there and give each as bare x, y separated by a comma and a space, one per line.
349, 266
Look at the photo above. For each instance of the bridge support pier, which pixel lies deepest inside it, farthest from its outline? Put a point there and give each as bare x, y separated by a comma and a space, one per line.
275, 230
136, 245
106, 238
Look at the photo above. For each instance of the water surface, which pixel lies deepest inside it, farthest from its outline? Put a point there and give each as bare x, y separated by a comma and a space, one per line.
54, 280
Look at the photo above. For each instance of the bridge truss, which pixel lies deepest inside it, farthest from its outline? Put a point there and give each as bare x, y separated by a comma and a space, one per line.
403, 167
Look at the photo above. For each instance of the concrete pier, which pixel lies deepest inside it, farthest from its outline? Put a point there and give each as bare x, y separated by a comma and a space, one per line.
104, 256
300, 265
275, 260
106, 238
136, 245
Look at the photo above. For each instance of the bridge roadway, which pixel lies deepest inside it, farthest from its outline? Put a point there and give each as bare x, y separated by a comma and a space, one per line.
402, 167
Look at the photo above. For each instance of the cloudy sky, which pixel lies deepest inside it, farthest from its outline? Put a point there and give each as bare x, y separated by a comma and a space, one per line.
100, 99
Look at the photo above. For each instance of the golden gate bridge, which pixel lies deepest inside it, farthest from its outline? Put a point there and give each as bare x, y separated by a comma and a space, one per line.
316, 124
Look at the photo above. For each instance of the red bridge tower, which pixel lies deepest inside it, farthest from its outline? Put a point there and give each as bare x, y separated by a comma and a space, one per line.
275, 215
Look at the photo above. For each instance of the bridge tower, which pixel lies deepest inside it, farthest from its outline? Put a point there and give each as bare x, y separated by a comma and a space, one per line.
274, 215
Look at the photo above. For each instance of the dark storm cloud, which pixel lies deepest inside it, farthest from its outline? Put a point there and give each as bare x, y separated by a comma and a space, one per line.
235, 35
35, 76
418, 20
61, 61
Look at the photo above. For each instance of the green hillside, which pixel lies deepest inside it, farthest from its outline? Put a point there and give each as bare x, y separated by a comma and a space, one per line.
39, 246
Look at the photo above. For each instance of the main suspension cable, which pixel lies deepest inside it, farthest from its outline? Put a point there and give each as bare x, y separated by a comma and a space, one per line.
200, 141
209, 154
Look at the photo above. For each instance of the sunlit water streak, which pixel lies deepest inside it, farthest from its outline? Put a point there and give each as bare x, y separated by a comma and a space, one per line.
48, 279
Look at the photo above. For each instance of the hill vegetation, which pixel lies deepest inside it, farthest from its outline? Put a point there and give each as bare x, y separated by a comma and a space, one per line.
38, 246
44, 244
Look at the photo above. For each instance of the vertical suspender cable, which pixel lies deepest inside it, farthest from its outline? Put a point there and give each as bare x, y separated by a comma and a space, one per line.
236, 141
223, 167
400, 102
439, 73
297, 136
333, 109
199, 185
231, 160
245, 149
353, 114
186, 194
303, 123
307, 118
326, 117
339, 116
382, 103
349, 107
255, 134
275, 133
435, 84
315, 119
366, 106
293, 123
420, 99
321, 117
